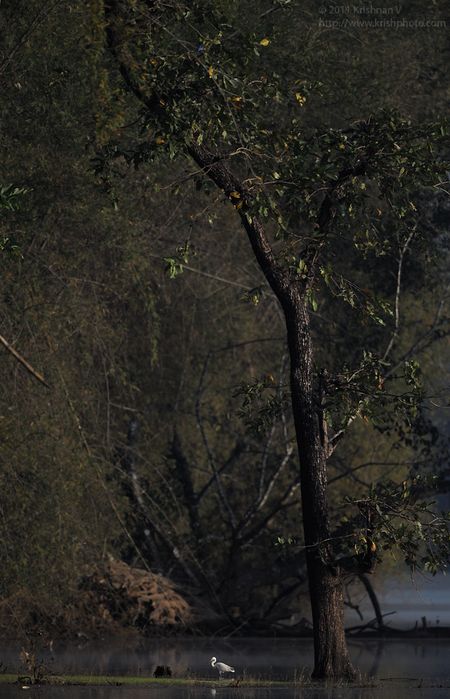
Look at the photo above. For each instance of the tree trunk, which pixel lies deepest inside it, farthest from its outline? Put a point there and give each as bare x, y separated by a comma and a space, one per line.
373, 598
331, 658
325, 583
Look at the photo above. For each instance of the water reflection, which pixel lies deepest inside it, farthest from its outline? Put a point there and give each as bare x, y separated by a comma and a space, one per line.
407, 660
255, 658
388, 692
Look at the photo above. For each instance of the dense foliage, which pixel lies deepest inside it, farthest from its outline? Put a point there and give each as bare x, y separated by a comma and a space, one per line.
165, 436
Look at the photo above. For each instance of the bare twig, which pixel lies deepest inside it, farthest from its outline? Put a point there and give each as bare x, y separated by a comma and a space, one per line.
366, 464
235, 452
35, 22
211, 460
397, 294
370, 624
216, 278
282, 503
23, 361
265, 455
425, 339
350, 604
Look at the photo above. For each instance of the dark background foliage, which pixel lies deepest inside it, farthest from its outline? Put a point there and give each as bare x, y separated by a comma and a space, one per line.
165, 438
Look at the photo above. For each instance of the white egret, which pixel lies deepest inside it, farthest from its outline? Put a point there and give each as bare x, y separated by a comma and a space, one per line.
221, 667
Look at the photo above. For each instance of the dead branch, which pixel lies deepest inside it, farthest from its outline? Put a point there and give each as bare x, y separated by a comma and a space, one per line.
401, 258
35, 22
23, 361
211, 460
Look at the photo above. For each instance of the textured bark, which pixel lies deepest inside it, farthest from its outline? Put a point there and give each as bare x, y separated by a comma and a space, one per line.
331, 658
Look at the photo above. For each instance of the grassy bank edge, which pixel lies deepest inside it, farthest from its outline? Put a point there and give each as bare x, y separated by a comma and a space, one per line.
302, 682
113, 680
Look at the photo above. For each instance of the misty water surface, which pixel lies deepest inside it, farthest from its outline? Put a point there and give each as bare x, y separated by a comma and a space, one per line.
399, 668
387, 692
259, 658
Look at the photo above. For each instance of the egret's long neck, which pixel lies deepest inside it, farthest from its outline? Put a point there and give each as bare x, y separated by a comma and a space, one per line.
213, 662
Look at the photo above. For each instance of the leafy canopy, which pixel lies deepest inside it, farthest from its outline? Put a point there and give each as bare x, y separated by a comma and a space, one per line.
333, 201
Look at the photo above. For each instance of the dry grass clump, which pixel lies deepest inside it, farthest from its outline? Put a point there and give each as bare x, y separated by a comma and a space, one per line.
148, 597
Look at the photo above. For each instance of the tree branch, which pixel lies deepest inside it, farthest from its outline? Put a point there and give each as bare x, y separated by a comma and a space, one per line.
210, 163
35, 22
215, 474
213, 166
397, 294
183, 469
23, 361
235, 452
281, 504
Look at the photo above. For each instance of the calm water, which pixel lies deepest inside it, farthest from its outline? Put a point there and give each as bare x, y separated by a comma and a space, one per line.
264, 658
397, 692
410, 662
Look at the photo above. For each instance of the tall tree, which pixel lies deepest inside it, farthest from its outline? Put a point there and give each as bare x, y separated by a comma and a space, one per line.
208, 91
